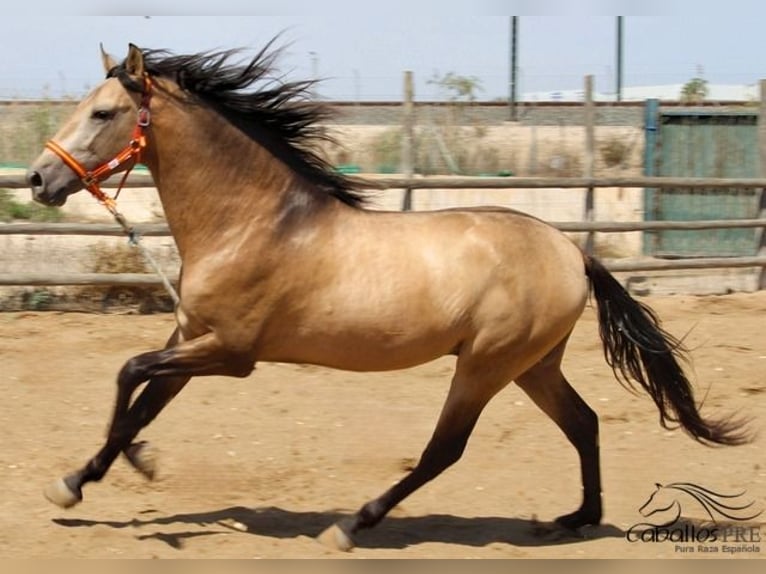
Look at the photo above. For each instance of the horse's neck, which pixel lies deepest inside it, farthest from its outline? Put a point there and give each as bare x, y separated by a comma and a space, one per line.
210, 176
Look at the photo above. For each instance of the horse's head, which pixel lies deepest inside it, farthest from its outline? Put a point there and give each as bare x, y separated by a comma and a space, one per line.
661, 500
85, 147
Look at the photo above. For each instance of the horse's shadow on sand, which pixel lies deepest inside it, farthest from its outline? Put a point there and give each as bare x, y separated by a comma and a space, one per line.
393, 532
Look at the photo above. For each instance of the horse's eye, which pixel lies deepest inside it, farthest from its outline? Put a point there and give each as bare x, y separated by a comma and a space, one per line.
102, 115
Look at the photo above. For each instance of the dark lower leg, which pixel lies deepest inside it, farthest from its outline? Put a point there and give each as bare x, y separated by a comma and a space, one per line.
157, 394
168, 371
133, 452
590, 511
555, 396
440, 453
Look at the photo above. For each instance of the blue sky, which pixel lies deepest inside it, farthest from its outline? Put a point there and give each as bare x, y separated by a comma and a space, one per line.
362, 49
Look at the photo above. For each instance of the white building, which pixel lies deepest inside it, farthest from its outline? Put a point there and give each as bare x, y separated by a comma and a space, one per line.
666, 92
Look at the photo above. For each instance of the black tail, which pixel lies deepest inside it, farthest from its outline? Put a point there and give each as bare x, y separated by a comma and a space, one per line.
640, 351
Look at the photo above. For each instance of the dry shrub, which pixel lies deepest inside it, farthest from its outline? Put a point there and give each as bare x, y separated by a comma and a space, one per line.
614, 152
123, 258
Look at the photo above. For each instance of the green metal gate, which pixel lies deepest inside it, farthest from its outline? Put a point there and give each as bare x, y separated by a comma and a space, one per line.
702, 143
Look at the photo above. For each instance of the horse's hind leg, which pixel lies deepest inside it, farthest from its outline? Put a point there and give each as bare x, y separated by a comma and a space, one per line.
546, 386
465, 401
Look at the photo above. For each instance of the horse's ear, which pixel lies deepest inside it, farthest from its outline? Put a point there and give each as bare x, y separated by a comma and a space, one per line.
107, 60
134, 63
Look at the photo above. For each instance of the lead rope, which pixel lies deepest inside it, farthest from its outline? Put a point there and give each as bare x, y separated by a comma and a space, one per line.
134, 239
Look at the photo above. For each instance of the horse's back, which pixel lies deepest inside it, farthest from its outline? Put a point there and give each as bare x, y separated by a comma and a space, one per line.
520, 251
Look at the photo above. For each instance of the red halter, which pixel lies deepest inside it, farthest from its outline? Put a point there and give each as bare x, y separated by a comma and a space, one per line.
130, 153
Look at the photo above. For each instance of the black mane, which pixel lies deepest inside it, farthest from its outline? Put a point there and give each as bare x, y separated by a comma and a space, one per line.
277, 114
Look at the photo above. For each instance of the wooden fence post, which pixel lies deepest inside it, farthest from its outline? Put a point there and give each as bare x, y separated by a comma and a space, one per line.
408, 121
651, 130
589, 159
760, 234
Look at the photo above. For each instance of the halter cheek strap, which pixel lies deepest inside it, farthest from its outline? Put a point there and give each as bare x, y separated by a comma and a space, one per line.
131, 153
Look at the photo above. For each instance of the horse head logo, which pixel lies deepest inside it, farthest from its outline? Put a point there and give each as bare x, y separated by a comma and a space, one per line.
665, 503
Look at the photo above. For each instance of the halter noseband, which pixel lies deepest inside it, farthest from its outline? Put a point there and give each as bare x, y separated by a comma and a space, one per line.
130, 153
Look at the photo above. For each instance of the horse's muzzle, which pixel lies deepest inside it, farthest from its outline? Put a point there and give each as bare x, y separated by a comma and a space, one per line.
42, 194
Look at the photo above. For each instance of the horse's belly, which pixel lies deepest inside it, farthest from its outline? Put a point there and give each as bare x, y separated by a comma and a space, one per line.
364, 350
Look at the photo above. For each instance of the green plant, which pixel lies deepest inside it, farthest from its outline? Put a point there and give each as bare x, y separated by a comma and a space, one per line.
11, 209
694, 91
458, 88
387, 151
37, 300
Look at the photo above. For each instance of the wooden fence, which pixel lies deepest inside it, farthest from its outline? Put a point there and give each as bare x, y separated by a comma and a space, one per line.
412, 184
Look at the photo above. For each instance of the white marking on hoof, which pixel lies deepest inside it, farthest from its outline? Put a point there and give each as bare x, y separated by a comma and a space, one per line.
334, 537
143, 458
61, 495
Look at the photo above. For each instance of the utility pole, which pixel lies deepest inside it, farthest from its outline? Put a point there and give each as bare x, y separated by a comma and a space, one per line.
514, 69
618, 75
314, 73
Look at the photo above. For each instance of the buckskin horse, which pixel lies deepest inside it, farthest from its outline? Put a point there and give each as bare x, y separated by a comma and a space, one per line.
282, 262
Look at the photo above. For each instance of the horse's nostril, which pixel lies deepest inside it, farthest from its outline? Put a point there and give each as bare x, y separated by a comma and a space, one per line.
34, 179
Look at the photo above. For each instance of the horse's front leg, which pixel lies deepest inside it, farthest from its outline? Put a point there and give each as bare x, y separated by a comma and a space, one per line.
139, 454
169, 370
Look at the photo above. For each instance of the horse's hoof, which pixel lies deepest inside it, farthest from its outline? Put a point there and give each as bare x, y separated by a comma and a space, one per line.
334, 537
60, 494
143, 458
579, 518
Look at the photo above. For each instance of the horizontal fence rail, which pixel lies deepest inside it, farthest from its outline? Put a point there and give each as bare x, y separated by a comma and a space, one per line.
456, 182
379, 182
100, 229
72, 279
673, 264
162, 230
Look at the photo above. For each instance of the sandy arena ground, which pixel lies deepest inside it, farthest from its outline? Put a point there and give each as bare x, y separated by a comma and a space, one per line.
258, 467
